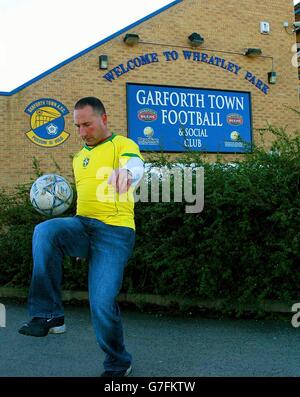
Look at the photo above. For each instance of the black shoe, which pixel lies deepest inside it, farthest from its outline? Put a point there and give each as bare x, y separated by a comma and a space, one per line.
120, 374
38, 326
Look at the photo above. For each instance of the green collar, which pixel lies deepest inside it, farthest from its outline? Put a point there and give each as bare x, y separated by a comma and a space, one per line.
110, 138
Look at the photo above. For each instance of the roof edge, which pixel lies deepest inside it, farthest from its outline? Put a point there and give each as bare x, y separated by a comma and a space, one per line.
92, 47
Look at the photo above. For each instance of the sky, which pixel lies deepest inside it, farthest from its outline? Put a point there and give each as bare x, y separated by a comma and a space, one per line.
36, 36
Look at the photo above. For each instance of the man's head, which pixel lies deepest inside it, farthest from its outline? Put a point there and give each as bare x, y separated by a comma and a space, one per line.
91, 120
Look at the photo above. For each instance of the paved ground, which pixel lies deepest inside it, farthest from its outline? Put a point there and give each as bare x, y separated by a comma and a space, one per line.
161, 345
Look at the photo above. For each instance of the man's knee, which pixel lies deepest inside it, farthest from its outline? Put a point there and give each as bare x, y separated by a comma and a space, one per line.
103, 300
48, 229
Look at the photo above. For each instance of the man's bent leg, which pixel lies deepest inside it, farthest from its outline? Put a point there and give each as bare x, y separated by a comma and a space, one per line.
111, 247
52, 240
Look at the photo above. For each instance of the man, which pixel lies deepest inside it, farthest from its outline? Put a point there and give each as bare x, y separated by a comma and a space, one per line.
106, 169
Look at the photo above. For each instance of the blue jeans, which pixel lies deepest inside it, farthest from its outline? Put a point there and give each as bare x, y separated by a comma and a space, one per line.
108, 249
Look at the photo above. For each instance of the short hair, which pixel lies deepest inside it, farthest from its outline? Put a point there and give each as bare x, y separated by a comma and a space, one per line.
95, 103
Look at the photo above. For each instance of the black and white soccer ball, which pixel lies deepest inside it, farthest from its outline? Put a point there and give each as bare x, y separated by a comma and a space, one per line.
51, 195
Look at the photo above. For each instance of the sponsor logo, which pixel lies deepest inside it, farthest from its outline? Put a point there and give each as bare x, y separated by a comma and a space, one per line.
235, 136
47, 122
234, 119
147, 115
149, 139
148, 131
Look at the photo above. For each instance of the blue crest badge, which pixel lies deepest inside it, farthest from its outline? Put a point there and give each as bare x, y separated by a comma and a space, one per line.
47, 122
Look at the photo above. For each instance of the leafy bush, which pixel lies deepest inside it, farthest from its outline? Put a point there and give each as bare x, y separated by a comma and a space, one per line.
244, 247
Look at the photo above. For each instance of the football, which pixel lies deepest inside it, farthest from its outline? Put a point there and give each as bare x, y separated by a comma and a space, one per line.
51, 195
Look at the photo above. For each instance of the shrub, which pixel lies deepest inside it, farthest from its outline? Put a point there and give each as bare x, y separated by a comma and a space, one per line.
244, 247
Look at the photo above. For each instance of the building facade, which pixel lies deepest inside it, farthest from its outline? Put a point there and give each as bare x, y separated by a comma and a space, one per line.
37, 118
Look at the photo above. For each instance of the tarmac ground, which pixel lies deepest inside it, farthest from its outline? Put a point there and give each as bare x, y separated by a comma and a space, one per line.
162, 345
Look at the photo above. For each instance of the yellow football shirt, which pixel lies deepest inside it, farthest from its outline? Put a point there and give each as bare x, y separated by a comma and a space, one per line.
92, 167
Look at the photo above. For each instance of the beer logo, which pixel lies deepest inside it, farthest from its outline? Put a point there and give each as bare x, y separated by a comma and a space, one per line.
47, 122
147, 115
235, 119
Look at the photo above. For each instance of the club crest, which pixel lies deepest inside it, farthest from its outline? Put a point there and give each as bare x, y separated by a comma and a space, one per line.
85, 162
47, 122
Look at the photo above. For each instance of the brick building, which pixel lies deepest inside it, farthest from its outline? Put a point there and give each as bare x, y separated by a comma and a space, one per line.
161, 57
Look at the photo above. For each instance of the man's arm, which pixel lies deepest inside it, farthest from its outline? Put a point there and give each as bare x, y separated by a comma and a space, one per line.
129, 175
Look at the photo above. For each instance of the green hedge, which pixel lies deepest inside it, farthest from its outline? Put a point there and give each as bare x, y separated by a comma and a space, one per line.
244, 247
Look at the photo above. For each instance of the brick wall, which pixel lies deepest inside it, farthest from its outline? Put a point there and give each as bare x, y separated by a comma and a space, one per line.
227, 26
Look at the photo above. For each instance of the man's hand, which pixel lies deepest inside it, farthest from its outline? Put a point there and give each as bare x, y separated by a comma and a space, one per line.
121, 180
